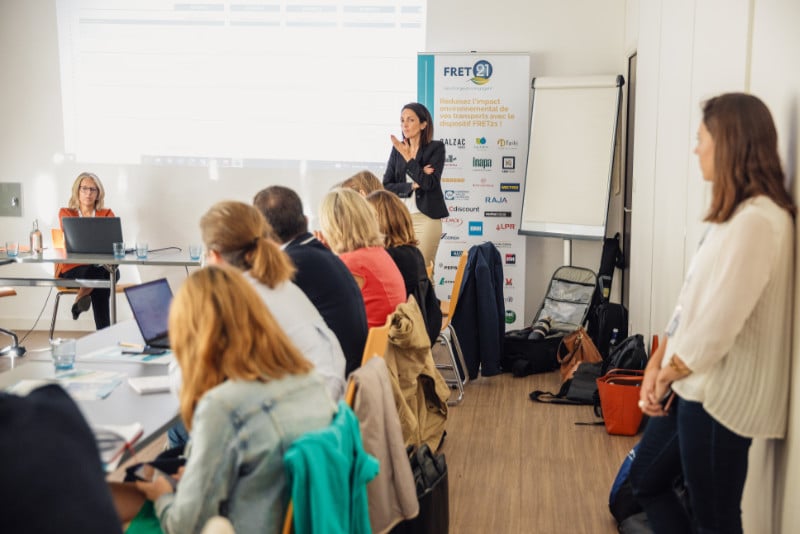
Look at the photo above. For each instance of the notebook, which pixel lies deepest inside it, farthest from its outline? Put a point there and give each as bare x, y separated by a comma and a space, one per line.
149, 303
91, 235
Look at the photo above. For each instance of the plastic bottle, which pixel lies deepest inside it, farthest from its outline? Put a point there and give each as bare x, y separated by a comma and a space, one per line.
36, 238
614, 336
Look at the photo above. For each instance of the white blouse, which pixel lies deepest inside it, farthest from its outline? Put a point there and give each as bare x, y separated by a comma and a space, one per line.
732, 325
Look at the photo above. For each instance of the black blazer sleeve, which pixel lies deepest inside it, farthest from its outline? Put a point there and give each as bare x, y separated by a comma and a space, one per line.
429, 196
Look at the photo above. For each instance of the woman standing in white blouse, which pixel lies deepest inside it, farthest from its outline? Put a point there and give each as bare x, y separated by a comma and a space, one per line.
728, 341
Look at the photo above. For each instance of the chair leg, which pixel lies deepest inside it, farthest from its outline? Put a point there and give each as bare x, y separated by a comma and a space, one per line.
456, 382
55, 314
460, 354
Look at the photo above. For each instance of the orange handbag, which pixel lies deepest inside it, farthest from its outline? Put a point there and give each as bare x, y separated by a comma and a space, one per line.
619, 400
574, 349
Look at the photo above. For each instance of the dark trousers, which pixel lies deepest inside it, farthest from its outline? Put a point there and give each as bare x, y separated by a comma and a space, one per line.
712, 460
99, 296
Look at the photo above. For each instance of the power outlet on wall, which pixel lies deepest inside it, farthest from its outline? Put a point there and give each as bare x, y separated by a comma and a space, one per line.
10, 199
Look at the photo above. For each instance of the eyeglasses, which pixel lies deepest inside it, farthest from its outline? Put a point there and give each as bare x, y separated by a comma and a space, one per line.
91, 190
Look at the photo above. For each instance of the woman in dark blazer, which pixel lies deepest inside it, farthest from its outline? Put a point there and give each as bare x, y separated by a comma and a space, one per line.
414, 173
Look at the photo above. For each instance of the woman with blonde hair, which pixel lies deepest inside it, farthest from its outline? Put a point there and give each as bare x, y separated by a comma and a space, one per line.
394, 221
237, 234
350, 228
87, 199
364, 182
247, 394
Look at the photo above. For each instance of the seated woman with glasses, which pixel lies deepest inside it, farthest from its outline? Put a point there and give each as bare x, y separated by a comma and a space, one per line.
87, 200
247, 394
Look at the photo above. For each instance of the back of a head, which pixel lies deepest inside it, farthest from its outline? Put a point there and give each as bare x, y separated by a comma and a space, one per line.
243, 238
283, 210
394, 219
221, 329
364, 182
348, 222
746, 160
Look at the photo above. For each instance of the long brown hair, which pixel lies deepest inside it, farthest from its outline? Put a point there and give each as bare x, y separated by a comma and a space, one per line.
394, 219
220, 329
746, 161
244, 239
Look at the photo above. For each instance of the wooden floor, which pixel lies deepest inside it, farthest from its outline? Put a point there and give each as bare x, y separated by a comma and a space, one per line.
514, 466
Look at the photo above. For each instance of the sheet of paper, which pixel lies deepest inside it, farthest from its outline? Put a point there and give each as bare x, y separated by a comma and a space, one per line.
115, 354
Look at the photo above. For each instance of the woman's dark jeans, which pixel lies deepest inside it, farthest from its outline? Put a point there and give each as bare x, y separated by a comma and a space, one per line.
713, 462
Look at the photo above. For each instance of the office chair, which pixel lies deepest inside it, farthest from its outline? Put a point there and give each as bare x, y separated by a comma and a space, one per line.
14, 350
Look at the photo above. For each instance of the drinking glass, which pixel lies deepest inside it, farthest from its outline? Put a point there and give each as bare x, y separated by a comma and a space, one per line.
195, 251
12, 249
141, 251
63, 352
119, 250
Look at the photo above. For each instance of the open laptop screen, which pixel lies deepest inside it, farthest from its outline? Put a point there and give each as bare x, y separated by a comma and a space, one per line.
91, 235
149, 303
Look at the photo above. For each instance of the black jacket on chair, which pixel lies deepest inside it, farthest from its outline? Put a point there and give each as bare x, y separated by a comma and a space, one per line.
479, 317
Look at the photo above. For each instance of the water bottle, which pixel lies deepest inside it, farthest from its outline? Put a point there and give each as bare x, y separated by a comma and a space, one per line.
613, 340
36, 239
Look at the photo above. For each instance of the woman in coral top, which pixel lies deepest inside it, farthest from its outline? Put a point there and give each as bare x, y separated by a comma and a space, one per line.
350, 228
87, 200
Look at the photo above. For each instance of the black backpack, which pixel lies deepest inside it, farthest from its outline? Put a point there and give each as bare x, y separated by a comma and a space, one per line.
603, 319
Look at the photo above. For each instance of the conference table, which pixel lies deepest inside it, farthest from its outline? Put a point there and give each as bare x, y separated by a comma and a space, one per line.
156, 412
167, 258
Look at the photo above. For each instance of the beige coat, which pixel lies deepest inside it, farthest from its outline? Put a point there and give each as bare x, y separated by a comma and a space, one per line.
392, 494
420, 391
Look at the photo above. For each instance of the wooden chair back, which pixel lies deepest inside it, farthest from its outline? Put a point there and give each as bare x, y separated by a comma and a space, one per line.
376, 345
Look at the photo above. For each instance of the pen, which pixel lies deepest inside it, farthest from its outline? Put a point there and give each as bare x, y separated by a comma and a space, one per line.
131, 345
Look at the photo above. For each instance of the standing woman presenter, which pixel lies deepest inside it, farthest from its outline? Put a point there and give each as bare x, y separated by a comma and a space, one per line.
87, 200
414, 173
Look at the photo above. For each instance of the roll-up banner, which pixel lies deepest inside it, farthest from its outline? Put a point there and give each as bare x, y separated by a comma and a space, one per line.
479, 103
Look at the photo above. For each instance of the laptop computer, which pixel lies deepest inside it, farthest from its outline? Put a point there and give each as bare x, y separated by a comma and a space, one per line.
149, 303
91, 235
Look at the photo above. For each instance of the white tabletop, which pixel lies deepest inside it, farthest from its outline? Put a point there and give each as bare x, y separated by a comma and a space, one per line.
156, 412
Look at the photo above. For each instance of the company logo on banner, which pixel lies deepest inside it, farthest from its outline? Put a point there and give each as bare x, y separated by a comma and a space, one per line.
480, 105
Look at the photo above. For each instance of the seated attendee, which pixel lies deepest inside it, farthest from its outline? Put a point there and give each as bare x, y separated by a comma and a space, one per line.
52, 480
247, 394
365, 182
350, 229
236, 234
394, 221
87, 200
320, 274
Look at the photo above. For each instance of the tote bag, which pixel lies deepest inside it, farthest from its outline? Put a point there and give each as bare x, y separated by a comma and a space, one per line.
619, 400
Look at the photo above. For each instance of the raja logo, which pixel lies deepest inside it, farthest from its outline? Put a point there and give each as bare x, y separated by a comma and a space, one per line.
506, 226
476, 228
511, 259
496, 200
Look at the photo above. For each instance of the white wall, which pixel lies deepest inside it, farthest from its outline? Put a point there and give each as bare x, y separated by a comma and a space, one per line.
163, 204
688, 51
